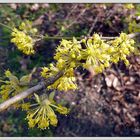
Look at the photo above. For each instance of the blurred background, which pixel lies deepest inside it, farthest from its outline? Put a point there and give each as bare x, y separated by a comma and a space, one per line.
104, 105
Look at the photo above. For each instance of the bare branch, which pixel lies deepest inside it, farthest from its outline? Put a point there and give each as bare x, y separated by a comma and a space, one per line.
72, 10
93, 25
132, 35
29, 91
73, 22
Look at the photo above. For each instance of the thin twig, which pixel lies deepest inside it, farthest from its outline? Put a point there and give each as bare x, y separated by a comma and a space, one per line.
72, 10
74, 21
59, 37
93, 25
82, 12
79, 38
132, 35
6, 26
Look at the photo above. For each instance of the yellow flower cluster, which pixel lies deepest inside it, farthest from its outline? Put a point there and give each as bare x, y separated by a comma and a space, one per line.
25, 106
122, 47
129, 6
92, 52
68, 54
68, 78
10, 86
96, 54
14, 86
43, 115
22, 38
67, 57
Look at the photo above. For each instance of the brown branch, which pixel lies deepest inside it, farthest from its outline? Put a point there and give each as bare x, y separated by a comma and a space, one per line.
72, 10
132, 35
29, 91
73, 22
93, 25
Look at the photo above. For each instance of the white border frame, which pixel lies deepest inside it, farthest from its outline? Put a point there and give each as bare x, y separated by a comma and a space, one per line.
70, 138
70, 1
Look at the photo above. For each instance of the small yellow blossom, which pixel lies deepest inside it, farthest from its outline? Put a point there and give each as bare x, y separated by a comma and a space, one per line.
96, 54
23, 38
129, 6
68, 78
123, 46
25, 106
64, 83
23, 41
68, 54
43, 115
13, 86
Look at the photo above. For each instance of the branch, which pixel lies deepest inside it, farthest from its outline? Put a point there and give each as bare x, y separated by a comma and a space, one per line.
132, 35
73, 22
29, 91
93, 25
8, 27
